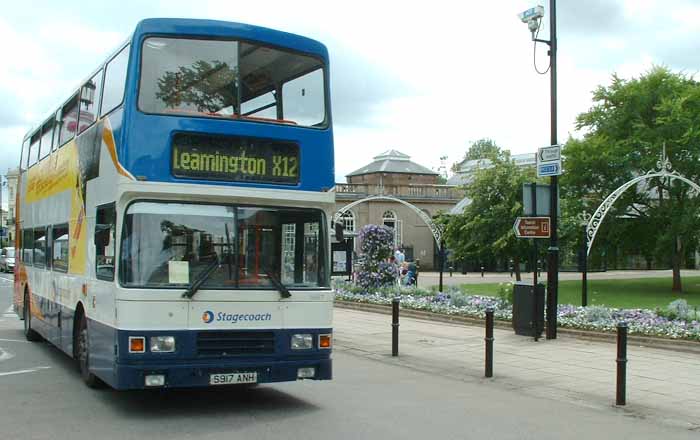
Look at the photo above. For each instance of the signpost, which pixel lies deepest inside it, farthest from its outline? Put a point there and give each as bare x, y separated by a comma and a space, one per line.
549, 161
532, 227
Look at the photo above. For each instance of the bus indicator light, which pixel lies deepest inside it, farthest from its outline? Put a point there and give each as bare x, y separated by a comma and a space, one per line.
324, 341
137, 344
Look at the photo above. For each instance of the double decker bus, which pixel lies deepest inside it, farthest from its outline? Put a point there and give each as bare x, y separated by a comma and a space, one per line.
172, 213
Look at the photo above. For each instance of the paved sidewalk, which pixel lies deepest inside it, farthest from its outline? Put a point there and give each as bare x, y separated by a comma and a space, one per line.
661, 384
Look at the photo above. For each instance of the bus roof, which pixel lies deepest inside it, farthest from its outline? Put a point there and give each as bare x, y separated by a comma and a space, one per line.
226, 29
202, 28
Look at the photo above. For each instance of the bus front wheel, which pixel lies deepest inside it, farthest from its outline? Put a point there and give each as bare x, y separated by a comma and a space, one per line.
83, 352
29, 332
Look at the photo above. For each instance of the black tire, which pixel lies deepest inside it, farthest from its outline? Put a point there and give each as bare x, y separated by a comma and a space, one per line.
29, 332
82, 344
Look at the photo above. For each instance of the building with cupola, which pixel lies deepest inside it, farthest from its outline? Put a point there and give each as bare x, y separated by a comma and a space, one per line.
393, 173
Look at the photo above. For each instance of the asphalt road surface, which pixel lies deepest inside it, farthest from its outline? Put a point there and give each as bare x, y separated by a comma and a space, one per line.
42, 397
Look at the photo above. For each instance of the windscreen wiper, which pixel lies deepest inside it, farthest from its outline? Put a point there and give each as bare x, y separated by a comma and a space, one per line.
200, 279
229, 250
284, 292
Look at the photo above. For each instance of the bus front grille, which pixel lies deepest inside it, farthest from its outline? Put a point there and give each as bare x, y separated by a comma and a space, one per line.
235, 343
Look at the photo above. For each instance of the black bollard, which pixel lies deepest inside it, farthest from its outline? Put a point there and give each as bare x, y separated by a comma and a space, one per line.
620, 397
489, 343
395, 327
482, 271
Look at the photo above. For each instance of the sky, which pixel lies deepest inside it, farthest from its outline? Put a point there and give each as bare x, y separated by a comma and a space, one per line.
424, 78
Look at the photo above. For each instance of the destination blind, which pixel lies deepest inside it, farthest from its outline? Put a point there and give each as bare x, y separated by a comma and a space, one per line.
235, 159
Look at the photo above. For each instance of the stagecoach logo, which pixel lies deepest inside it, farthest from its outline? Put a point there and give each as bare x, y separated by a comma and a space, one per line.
235, 318
208, 317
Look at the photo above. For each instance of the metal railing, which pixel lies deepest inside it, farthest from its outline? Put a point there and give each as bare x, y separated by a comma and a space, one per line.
417, 191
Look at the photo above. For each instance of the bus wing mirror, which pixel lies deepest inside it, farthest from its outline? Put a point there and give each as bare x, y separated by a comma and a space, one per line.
102, 235
339, 232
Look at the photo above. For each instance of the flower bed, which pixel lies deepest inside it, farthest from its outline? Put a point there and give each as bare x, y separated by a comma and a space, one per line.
597, 318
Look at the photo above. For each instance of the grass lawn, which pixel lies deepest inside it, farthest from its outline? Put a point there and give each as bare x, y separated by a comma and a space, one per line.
647, 293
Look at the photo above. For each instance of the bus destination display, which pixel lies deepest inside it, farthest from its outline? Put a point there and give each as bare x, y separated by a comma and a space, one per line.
235, 159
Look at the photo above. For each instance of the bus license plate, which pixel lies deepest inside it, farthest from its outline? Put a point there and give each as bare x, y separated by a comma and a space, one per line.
233, 378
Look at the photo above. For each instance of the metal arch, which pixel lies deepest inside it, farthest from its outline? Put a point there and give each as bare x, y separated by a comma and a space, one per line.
435, 229
664, 169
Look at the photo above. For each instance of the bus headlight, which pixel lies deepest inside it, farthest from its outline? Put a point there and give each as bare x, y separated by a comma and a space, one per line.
162, 344
302, 341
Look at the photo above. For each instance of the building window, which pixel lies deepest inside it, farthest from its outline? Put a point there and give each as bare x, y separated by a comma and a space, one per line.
348, 221
390, 220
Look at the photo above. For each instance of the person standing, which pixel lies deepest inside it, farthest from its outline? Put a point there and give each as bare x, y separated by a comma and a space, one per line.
399, 256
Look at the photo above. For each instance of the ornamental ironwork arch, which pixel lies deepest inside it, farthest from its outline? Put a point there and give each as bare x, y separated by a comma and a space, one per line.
663, 170
435, 229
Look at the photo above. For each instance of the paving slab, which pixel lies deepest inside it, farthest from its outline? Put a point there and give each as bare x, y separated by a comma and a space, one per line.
661, 384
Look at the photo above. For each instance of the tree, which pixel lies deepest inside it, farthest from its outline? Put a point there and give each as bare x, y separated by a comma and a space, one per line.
207, 86
626, 129
482, 149
485, 228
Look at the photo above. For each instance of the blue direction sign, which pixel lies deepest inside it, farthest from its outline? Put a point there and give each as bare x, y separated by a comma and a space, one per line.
549, 161
549, 169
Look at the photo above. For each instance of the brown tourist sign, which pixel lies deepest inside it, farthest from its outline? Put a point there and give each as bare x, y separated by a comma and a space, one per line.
532, 227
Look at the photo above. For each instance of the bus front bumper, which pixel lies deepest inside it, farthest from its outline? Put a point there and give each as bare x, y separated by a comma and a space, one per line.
198, 375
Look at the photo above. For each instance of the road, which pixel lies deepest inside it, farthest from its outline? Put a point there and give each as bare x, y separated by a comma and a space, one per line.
42, 397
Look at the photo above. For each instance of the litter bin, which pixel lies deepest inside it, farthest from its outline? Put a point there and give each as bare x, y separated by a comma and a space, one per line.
528, 309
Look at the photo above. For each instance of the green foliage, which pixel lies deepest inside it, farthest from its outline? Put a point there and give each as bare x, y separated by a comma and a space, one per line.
598, 313
626, 129
505, 292
485, 228
648, 293
482, 149
679, 309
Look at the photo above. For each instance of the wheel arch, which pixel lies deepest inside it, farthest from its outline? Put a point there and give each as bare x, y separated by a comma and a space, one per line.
77, 317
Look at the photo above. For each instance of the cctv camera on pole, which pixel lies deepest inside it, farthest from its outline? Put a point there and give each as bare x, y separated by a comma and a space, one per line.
532, 17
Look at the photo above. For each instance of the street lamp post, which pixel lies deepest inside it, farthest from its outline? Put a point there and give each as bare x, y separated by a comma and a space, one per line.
553, 267
533, 17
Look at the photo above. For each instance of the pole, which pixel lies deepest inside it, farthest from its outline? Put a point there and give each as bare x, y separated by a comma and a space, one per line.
584, 271
553, 266
488, 367
442, 261
621, 392
395, 327
533, 192
535, 296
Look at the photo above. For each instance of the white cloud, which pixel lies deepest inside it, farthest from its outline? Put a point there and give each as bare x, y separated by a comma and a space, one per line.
425, 79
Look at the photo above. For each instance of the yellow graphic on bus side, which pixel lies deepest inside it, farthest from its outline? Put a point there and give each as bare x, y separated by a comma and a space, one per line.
61, 172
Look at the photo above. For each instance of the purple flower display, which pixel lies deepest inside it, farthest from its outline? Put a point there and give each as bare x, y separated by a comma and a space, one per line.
374, 271
596, 318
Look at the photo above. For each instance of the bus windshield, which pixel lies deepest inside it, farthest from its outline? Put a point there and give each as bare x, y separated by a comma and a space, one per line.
171, 244
231, 79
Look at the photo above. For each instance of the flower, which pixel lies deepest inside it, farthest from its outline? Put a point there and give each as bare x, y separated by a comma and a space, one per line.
453, 302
